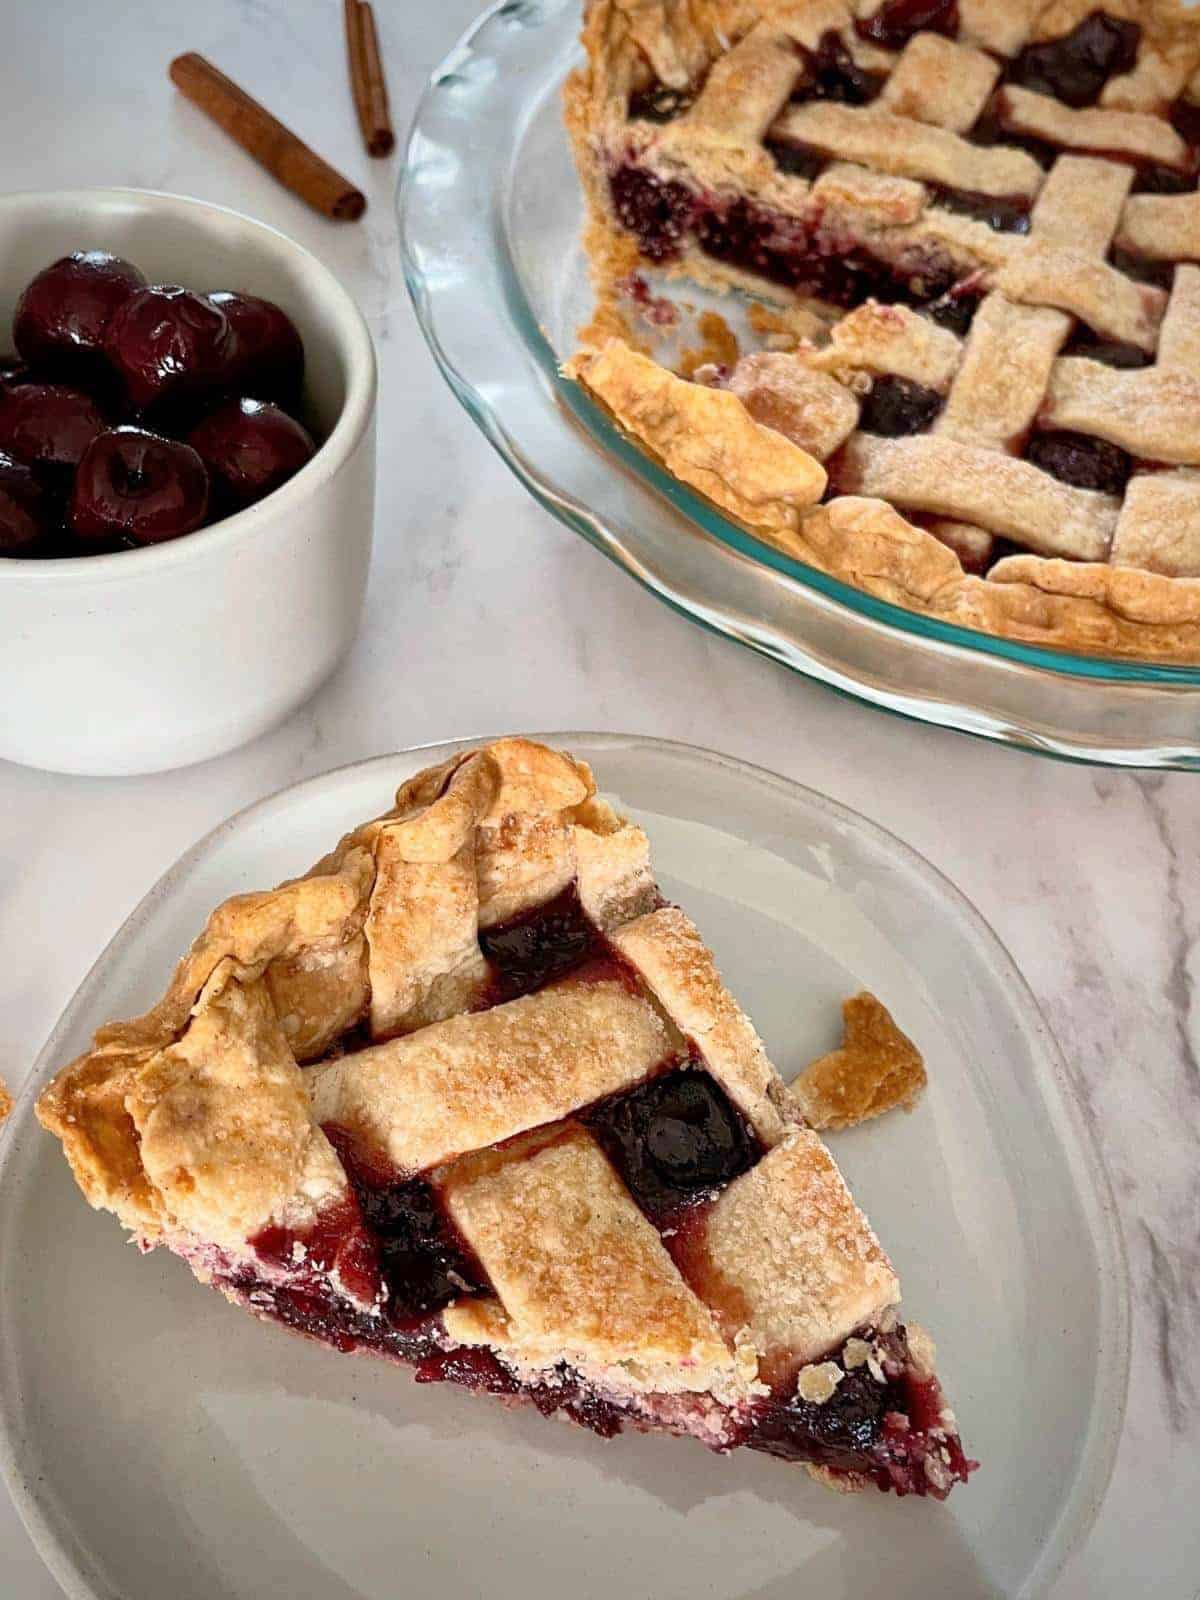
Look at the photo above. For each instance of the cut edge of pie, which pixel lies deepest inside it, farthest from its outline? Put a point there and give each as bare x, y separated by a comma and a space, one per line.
1027, 466
471, 1096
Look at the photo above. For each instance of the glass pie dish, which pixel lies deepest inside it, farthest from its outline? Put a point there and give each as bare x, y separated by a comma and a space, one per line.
255, 1463
490, 214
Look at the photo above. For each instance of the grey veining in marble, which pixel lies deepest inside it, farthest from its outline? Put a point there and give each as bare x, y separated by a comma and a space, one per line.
484, 613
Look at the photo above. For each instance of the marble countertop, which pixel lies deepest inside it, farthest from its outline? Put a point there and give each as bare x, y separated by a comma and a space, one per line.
484, 613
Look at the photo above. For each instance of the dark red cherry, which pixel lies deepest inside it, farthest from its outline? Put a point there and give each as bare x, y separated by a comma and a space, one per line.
894, 407
168, 344
48, 424
1078, 459
673, 1140
139, 486
268, 353
62, 316
250, 447
894, 24
1075, 68
26, 516
12, 369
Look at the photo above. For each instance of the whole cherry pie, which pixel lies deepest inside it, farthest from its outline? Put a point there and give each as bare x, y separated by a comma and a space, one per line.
471, 1096
977, 227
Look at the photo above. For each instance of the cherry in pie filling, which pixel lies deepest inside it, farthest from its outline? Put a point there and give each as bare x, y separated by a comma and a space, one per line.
980, 221
472, 1097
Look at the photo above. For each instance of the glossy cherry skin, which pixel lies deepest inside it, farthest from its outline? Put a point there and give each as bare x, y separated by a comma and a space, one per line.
268, 353
168, 344
12, 369
48, 424
26, 515
250, 447
62, 316
136, 485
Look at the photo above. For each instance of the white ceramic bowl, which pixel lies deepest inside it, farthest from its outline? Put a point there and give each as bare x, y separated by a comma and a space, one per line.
155, 658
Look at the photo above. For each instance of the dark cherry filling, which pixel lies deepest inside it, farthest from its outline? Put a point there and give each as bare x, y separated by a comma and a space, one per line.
657, 213
837, 1433
423, 1261
1159, 273
659, 103
880, 1429
540, 944
797, 160
376, 1269
390, 1245
954, 310
1152, 179
1075, 68
990, 130
337, 1241
831, 73
567, 1393
1004, 213
745, 235
478, 1369
322, 1315
675, 1140
563, 1391
797, 252
1080, 460
835, 267
896, 406
894, 24
470, 1367
1112, 352
1185, 119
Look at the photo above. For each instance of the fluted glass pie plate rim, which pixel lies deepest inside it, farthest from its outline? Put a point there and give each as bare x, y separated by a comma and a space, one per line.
476, 150
719, 817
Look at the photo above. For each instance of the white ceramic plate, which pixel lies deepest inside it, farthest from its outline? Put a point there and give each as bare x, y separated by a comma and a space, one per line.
160, 1443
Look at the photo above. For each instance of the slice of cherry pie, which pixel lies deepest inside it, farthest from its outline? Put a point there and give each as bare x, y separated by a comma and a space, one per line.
979, 224
470, 1095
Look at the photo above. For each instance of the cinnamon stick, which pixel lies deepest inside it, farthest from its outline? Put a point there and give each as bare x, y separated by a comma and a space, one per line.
367, 82
264, 137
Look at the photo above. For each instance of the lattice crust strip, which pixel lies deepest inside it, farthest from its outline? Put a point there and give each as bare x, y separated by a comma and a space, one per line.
580, 1274
475, 1080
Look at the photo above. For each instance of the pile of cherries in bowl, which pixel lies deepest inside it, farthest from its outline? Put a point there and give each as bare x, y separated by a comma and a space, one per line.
133, 413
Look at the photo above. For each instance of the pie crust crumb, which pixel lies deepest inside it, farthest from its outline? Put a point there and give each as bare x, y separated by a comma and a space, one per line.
818, 1383
876, 1068
718, 345
6, 1100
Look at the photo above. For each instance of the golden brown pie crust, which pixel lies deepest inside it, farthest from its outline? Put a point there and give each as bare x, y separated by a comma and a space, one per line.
875, 1069
1089, 606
